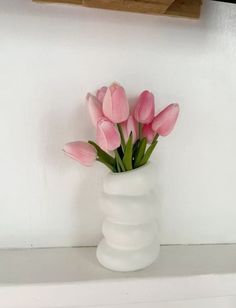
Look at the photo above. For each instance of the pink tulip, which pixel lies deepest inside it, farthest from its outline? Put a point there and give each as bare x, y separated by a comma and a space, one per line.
130, 126
108, 137
144, 109
101, 93
95, 109
115, 104
148, 132
81, 151
165, 121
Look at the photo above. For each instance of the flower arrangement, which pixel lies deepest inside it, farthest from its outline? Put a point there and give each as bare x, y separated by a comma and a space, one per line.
125, 138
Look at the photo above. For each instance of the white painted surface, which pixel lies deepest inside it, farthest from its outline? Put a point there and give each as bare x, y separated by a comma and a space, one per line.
188, 276
51, 55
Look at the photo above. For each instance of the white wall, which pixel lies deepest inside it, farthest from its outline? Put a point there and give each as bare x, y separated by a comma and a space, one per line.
51, 55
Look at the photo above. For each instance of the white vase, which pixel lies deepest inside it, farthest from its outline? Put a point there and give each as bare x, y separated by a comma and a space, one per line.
130, 229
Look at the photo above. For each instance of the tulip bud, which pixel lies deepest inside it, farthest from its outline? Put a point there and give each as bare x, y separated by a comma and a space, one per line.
115, 104
144, 109
165, 121
95, 109
148, 132
108, 137
81, 151
101, 93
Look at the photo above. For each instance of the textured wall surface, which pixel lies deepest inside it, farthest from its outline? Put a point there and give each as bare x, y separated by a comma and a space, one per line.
51, 56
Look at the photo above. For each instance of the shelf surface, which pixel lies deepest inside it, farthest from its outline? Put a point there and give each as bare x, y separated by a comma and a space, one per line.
67, 277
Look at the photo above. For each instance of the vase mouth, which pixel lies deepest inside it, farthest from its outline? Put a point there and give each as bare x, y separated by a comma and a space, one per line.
131, 171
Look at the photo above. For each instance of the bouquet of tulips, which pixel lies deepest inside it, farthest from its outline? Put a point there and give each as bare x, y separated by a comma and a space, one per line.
125, 138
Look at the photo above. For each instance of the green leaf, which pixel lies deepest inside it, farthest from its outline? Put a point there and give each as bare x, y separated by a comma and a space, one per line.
119, 161
127, 159
135, 149
148, 153
118, 166
112, 168
102, 155
120, 151
140, 152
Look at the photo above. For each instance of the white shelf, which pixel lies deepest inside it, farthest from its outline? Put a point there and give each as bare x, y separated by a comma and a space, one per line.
71, 277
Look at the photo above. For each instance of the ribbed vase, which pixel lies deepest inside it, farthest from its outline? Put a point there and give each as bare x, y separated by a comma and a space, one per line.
130, 229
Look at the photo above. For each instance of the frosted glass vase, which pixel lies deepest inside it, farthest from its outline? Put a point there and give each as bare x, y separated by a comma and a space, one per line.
130, 240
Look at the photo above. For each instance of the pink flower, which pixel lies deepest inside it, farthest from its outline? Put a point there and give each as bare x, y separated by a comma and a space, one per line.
148, 132
165, 121
81, 151
115, 104
108, 137
144, 109
130, 126
101, 93
95, 109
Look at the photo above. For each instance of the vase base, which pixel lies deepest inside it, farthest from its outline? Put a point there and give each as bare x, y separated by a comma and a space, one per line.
127, 260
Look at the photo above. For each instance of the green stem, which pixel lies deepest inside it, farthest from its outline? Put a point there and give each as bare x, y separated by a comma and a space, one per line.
155, 138
118, 159
149, 151
120, 151
121, 135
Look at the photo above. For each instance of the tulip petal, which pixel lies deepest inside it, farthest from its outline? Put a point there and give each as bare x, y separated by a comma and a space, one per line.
144, 109
94, 109
132, 126
108, 137
81, 151
148, 132
123, 126
115, 104
101, 93
165, 121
